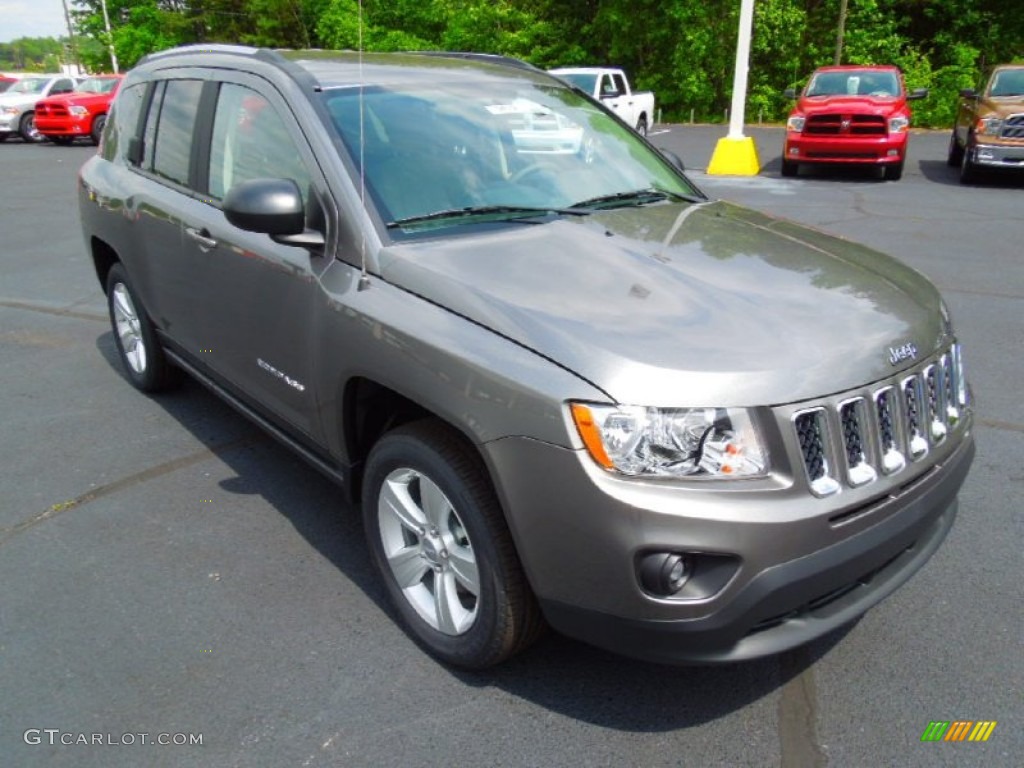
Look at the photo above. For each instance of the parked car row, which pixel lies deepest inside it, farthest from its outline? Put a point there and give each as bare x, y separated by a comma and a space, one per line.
56, 107
860, 115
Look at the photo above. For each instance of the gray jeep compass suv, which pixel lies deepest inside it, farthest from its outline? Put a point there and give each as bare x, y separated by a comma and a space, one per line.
566, 388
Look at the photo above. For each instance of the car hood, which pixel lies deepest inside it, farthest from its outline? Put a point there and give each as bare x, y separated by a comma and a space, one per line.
672, 304
81, 99
18, 99
1002, 106
862, 105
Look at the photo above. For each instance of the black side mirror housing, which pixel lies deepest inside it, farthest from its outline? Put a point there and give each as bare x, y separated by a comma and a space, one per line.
272, 207
917, 93
968, 93
789, 93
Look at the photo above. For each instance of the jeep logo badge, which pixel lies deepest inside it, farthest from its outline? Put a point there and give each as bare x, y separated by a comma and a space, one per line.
898, 354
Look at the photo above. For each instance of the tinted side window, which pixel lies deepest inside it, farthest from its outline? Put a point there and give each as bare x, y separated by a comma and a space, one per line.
172, 145
251, 141
124, 121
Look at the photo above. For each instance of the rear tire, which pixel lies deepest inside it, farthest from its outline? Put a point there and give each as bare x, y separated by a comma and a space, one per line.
439, 540
641, 125
143, 358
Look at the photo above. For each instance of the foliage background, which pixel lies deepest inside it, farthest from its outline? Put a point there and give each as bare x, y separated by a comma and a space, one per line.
683, 50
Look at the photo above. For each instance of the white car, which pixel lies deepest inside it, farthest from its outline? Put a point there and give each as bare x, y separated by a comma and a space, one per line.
17, 104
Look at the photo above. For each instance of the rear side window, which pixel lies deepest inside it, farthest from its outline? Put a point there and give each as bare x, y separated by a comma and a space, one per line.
169, 129
251, 141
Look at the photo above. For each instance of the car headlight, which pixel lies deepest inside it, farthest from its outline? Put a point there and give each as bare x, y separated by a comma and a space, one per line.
899, 124
989, 126
78, 110
9, 110
796, 123
671, 442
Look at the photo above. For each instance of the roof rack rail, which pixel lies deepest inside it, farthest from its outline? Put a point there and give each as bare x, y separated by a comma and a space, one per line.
493, 58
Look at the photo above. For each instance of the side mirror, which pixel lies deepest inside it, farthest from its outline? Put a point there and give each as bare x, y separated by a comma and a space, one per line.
968, 93
675, 160
917, 93
611, 94
789, 93
272, 207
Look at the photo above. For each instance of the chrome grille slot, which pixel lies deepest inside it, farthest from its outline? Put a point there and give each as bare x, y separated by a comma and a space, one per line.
888, 431
935, 403
917, 443
811, 431
852, 419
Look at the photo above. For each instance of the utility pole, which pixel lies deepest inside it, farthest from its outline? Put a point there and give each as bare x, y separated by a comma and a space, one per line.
110, 36
71, 39
841, 32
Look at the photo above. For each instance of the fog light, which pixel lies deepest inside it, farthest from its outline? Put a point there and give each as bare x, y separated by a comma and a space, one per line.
985, 154
664, 573
794, 151
893, 153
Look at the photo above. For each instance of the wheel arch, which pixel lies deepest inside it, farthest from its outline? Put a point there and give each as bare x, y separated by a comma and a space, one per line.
103, 258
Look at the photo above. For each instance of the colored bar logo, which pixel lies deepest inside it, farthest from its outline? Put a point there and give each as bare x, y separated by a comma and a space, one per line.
958, 730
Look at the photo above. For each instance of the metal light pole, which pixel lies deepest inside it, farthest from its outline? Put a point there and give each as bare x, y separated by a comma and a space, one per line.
736, 155
841, 32
110, 36
71, 38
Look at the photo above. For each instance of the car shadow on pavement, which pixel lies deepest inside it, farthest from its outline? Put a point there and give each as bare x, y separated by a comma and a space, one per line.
559, 674
940, 172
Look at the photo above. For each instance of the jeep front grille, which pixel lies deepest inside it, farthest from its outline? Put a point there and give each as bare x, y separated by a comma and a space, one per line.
879, 431
1013, 127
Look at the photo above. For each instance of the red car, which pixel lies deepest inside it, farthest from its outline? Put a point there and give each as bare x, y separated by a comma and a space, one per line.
64, 118
850, 115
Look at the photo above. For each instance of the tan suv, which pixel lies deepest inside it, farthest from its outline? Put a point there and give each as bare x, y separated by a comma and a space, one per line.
989, 129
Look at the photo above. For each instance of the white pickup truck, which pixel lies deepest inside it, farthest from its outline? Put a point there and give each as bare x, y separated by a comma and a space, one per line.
611, 87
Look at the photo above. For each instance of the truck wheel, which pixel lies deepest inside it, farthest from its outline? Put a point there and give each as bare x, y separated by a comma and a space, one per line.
27, 128
641, 125
143, 358
439, 540
955, 156
893, 172
789, 168
97, 128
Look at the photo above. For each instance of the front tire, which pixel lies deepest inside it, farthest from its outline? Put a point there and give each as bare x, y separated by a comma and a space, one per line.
968, 171
27, 128
789, 168
439, 540
97, 129
955, 155
893, 172
141, 355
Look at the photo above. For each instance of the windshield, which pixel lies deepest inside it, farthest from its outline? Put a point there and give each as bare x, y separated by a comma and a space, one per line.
855, 82
1007, 82
29, 85
487, 146
98, 85
585, 81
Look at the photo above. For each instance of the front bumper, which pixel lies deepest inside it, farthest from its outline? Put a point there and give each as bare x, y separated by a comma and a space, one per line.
998, 156
63, 126
798, 577
845, 149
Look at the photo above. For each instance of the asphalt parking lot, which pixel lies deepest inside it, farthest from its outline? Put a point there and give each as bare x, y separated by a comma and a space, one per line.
168, 571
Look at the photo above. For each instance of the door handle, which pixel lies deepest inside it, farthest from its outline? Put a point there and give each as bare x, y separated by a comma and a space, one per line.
202, 237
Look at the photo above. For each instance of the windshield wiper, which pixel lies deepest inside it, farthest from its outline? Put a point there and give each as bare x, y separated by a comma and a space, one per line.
636, 197
506, 212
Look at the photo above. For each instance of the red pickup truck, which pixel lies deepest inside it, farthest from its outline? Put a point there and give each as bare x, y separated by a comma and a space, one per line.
850, 115
62, 119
